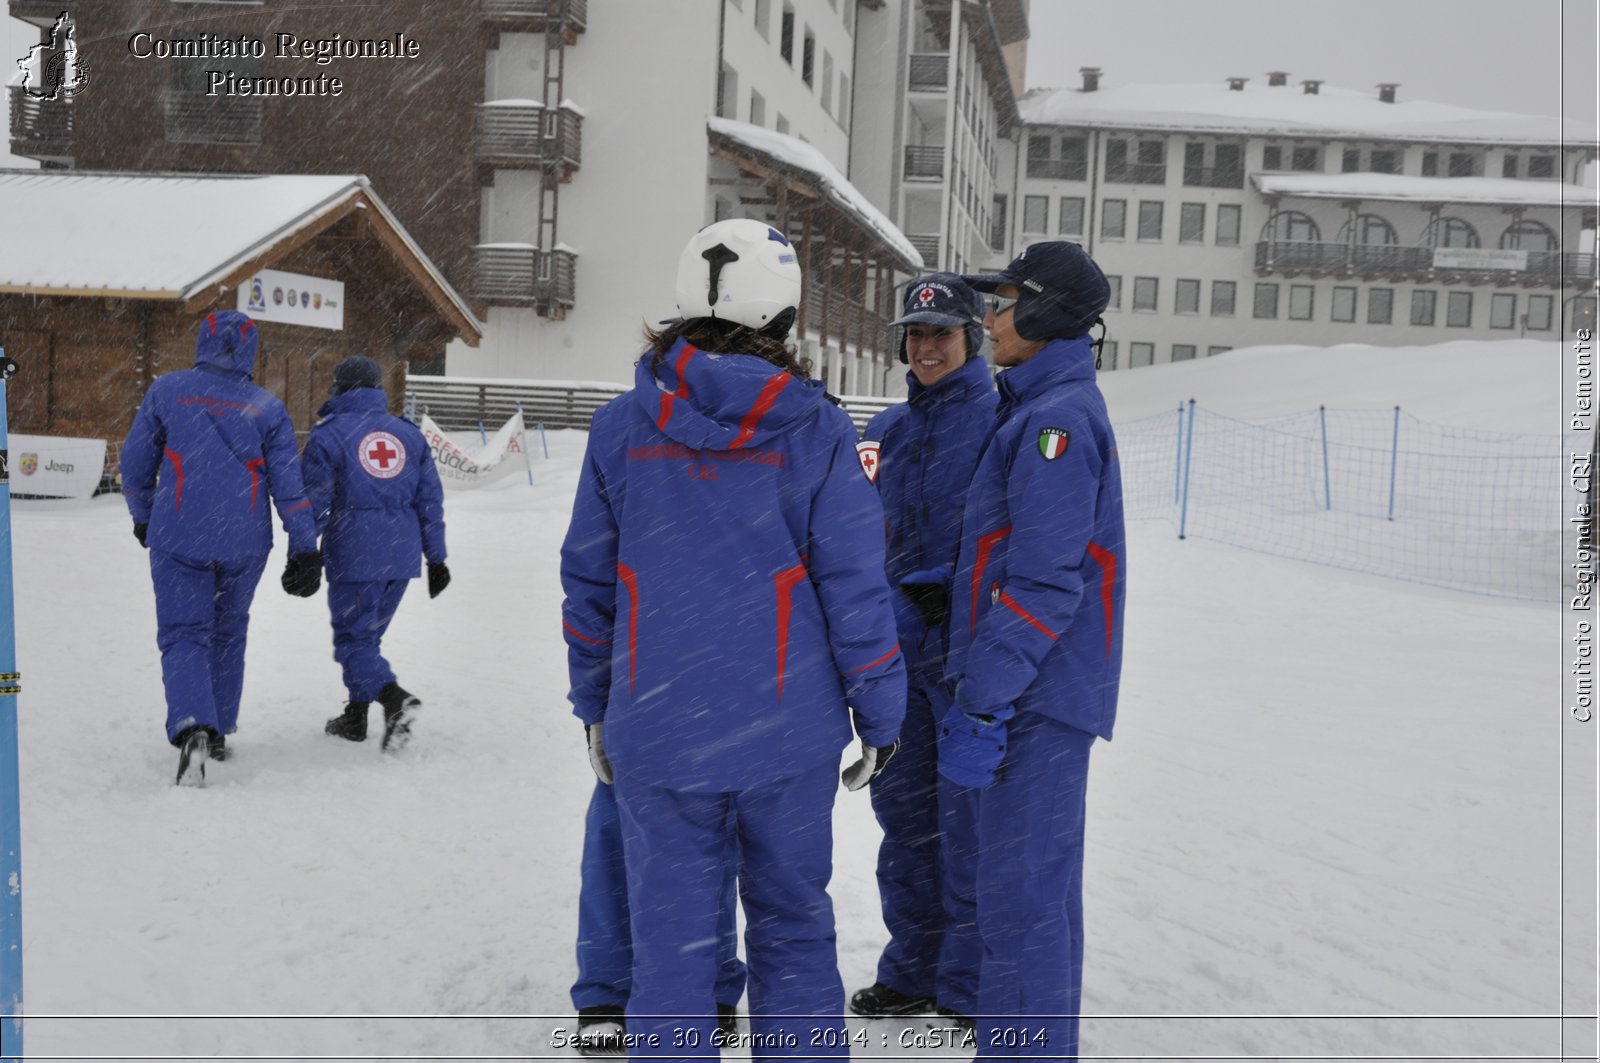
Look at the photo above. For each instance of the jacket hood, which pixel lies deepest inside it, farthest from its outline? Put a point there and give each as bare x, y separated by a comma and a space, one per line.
228, 341
355, 400
721, 401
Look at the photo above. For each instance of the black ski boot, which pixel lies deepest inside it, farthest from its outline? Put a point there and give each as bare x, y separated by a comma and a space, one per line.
194, 747
219, 747
351, 724
879, 1001
600, 1031
399, 709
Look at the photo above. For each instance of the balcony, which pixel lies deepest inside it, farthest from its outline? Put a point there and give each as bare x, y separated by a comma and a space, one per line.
924, 162
521, 134
847, 321
41, 13
536, 16
523, 275
40, 129
1059, 169
929, 72
1137, 173
192, 118
1213, 176
1392, 261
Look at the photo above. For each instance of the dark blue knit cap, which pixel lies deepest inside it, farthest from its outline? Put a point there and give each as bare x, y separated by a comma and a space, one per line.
356, 371
1061, 290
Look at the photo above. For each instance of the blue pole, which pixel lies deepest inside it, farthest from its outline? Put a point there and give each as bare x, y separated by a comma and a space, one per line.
10, 810
1188, 457
1394, 460
483, 437
1327, 488
544, 442
1177, 462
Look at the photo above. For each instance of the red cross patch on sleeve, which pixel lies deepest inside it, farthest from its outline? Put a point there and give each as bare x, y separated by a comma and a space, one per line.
868, 451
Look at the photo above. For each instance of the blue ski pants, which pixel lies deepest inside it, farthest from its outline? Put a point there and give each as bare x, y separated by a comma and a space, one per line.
605, 939
361, 614
202, 615
676, 845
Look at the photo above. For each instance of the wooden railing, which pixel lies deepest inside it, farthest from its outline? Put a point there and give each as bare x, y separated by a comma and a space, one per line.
523, 275
39, 126
195, 119
526, 134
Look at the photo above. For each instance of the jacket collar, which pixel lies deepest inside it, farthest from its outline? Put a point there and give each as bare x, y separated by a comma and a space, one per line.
970, 380
356, 400
1058, 362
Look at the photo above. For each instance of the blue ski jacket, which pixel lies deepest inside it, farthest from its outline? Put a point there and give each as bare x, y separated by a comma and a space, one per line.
207, 448
1036, 620
725, 596
925, 450
374, 490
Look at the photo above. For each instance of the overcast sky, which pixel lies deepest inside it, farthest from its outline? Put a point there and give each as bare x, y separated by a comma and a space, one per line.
1524, 56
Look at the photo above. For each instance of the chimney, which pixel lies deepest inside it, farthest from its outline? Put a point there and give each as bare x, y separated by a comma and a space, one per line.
1277, 77
1236, 84
1091, 78
1386, 91
1311, 87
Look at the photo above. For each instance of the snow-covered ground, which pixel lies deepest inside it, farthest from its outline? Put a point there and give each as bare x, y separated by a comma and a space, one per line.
1330, 794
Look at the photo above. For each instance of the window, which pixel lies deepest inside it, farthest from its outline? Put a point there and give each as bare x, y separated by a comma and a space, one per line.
786, 35
827, 82
1071, 218
1384, 161
1463, 164
1114, 219
1224, 171
1272, 157
1422, 306
1192, 223
1058, 158
782, 124
1344, 305
1458, 310
1350, 162
1529, 235
1140, 354
1508, 166
1074, 159
1108, 354
1145, 291
1371, 229
1115, 283
1228, 171
758, 108
1380, 306
1266, 300
1296, 226
1540, 312
1542, 166
808, 56
1035, 214
763, 18
844, 98
1139, 162
1430, 164
1212, 352
1302, 302
1187, 299
1306, 158
728, 94
193, 118
1150, 220
1451, 232
1227, 225
1502, 310
1222, 295
1182, 352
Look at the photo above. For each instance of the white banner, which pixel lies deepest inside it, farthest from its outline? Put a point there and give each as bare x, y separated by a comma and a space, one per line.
293, 298
1478, 258
476, 463
56, 466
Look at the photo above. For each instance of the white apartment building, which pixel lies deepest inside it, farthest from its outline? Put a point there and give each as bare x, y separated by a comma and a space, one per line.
1256, 211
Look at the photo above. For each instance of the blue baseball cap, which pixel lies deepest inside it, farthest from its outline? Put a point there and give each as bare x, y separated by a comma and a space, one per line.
1061, 292
940, 299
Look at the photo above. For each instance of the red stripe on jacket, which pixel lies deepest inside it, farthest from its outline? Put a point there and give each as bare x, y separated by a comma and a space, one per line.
1108, 585
631, 581
682, 392
575, 633
1011, 603
986, 544
177, 468
254, 465
783, 584
769, 395
879, 661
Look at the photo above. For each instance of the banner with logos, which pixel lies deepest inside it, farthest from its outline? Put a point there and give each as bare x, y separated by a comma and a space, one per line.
56, 466
474, 464
293, 298
1479, 258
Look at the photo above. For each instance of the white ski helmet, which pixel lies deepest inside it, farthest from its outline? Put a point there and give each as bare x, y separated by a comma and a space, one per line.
740, 270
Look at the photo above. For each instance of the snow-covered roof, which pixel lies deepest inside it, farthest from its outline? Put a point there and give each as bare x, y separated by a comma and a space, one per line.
1285, 110
797, 154
1424, 189
165, 236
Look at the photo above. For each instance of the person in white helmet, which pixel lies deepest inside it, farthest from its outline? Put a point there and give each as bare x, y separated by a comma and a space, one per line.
726, 610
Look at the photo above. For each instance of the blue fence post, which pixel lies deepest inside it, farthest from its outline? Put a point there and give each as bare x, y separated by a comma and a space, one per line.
483, 437
544, 442
1394, 460
1188, 459
1177, 462
11, 1009
1327, 487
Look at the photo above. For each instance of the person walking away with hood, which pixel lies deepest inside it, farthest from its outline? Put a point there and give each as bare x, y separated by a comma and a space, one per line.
379, 507
921, 454
725, 611
1036, 644
206, 451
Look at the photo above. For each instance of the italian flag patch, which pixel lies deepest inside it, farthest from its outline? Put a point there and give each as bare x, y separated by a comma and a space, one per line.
1053, 442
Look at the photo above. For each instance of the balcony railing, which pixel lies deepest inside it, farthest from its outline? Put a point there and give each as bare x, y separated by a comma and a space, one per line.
1137, 173
39, 127
1393, 260
535, 16
929, 72
924, 162
927, 245
523, 275
525, 134
1213, 176
846, 318
1059, 169
192, 118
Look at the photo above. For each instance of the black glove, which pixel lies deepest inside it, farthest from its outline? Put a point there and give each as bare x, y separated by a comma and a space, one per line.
302, 576
593, 733
438, 578
141, 532
931, 600
869, 767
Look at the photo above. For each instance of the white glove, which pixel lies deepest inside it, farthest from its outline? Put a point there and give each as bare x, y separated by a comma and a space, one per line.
597, 753
869, 767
